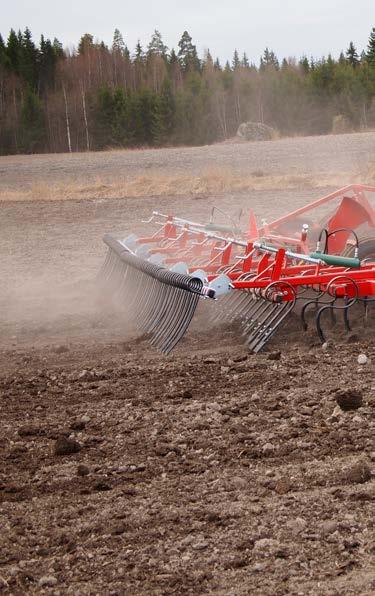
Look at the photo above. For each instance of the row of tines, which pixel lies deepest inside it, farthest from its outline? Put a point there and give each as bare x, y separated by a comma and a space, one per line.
161, 303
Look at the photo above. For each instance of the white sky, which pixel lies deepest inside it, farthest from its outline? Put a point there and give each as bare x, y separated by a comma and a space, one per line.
289, 27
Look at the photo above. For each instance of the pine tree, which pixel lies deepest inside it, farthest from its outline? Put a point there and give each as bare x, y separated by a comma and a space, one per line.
352, 55
245, 61
118, 44
157, 128
304, 65
85, 43
32, 124
235, 61
269, 59
207, 58
217, 64
28, 59
139, 54
47, 63
4, 61
120, 118
173, 59
103, 118
370, 54
57, 46
147, 101
156, 45
167, 110
187, 53
13, 51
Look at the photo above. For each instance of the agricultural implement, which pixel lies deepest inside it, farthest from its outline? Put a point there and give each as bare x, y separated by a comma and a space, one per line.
256, 277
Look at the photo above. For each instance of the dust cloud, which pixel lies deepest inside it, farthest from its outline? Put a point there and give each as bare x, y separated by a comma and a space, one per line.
48, 310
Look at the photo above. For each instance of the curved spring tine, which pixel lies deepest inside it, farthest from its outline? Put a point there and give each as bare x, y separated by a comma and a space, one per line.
153, 307
317, 321
313, 302
226, 305
191, 302
176, 320
162, 306
264, 336
260, 323
238, 306
252, 317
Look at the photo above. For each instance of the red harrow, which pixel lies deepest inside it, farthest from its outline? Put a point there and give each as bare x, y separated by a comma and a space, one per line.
256, 277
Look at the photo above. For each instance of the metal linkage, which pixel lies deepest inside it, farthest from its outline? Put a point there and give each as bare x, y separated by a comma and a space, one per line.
161, 302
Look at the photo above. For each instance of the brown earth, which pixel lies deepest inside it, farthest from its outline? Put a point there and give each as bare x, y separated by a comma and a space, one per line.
210, 471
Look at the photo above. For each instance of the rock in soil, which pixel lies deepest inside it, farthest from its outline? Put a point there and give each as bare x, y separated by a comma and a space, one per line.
47, 581
64, 446
362, 359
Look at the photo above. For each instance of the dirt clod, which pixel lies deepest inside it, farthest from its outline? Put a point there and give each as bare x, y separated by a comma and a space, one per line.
282, 486
78, 424
358, 473
187, 394
66, 446
30, 430
274, 355
61, 349
102, 485
83, 470
349, 399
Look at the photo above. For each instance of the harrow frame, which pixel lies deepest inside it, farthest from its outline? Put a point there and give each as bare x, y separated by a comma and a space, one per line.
263, 272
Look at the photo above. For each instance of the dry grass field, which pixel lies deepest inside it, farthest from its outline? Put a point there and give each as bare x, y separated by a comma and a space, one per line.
210, 471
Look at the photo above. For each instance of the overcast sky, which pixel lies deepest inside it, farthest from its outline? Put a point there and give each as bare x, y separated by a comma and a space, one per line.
289, 27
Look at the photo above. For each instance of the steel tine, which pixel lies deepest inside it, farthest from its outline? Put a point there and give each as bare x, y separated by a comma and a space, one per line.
252, 316
103, 271
107, 273
268, 333
249, 310
236, 307
179, 316
151, 305
270, 315
164, 295
174, 297
156, 318
191, 302
170, 321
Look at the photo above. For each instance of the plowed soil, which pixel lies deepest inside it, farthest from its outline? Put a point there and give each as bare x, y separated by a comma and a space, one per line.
210, 471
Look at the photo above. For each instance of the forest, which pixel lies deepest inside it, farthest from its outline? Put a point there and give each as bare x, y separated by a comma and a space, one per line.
98, 97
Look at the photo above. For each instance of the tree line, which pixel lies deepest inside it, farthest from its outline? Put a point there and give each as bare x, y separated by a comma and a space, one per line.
96, 96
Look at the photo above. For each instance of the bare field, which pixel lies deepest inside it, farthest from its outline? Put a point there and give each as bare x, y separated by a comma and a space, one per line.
312, 162
210, 471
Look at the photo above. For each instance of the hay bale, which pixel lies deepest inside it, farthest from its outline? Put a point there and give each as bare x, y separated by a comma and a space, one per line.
341, 125
256, 131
